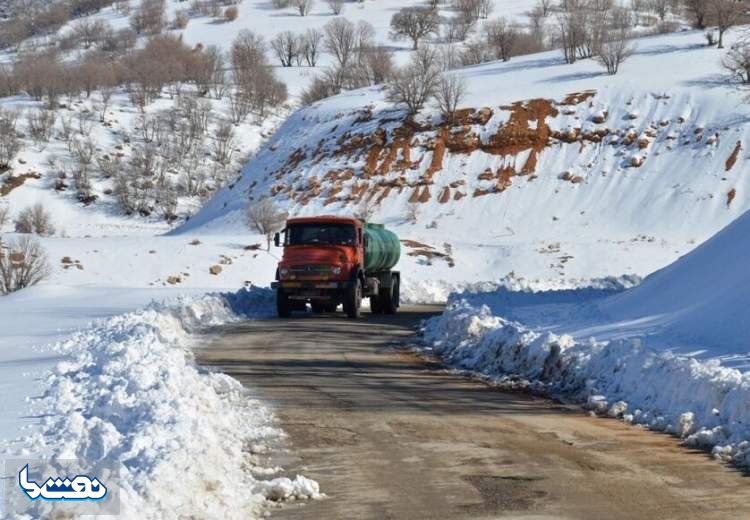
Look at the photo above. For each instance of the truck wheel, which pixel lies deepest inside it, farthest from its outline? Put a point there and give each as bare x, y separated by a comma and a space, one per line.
353, 300
283, 305
391, 298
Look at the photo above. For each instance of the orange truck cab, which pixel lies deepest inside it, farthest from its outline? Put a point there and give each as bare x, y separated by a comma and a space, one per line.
332, 260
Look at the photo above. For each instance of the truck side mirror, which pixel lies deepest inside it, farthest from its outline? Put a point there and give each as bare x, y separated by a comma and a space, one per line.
277, 240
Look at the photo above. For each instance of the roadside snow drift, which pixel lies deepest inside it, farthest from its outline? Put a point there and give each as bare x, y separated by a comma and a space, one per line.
670, 354
129, 390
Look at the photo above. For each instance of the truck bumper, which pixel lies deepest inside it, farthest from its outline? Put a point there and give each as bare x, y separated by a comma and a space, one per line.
296, 287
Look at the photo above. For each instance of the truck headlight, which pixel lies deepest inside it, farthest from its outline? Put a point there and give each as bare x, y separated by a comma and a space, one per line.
336, 269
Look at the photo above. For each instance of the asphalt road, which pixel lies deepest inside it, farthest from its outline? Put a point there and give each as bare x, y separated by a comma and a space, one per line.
390, 435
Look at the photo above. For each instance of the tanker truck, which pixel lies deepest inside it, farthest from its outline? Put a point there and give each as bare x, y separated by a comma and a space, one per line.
332, 260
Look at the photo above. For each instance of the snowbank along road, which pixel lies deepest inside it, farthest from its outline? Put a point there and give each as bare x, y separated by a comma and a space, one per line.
390, 435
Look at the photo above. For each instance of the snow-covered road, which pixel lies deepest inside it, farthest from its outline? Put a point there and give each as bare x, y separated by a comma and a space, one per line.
389, 435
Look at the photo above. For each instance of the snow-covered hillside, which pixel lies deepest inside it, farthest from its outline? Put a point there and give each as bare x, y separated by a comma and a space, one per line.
671, 353
555, 170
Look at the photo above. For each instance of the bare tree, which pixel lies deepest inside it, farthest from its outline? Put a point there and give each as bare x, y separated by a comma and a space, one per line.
303, 6
265, 218
40, 123
485, 8
10, 144
336, 6
35, 219
286, 47
414, 84
449, 93
616, 47
737, 61
457, 28
224, 143
149, 18
415, 24
239, 106
468, 9
697, 10
311, 43
4, 215
501, 36
23, 263
341, 40
727, 14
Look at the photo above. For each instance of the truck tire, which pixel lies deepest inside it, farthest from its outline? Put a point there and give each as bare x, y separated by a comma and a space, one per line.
391, 297
353, 300
283, 305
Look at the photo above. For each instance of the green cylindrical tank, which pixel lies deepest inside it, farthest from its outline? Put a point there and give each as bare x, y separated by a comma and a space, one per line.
383, 248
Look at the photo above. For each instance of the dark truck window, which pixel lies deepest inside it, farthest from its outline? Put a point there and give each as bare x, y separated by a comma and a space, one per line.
326, 234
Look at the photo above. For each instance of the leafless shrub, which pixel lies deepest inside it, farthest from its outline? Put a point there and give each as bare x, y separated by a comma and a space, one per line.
35, 219
10, 144
527, 43
501, 36
474, 52
265, 218
208, 71
468, 9
449, 93
616, 47
457, 28
4, 215
181, 20
149, 18
375, 64
231, 13
280, 4
303, 6
239, 106
737, 62
336, 6
319, 88
223, 145
90, 32
247, 54
285, 46
414, 84
40, 123
23, 263
415, 24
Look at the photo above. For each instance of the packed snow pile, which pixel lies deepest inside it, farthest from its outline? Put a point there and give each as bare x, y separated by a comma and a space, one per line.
670, 353
129, 390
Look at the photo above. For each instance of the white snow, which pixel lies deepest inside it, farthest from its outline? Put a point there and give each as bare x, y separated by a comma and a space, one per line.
127, 389
670, 353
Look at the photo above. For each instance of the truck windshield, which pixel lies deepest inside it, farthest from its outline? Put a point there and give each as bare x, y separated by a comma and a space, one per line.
327, 234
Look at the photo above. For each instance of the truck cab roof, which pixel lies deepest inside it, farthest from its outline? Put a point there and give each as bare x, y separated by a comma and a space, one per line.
324, 219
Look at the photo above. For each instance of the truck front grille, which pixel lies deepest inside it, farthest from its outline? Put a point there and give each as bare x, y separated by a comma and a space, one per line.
310, 270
